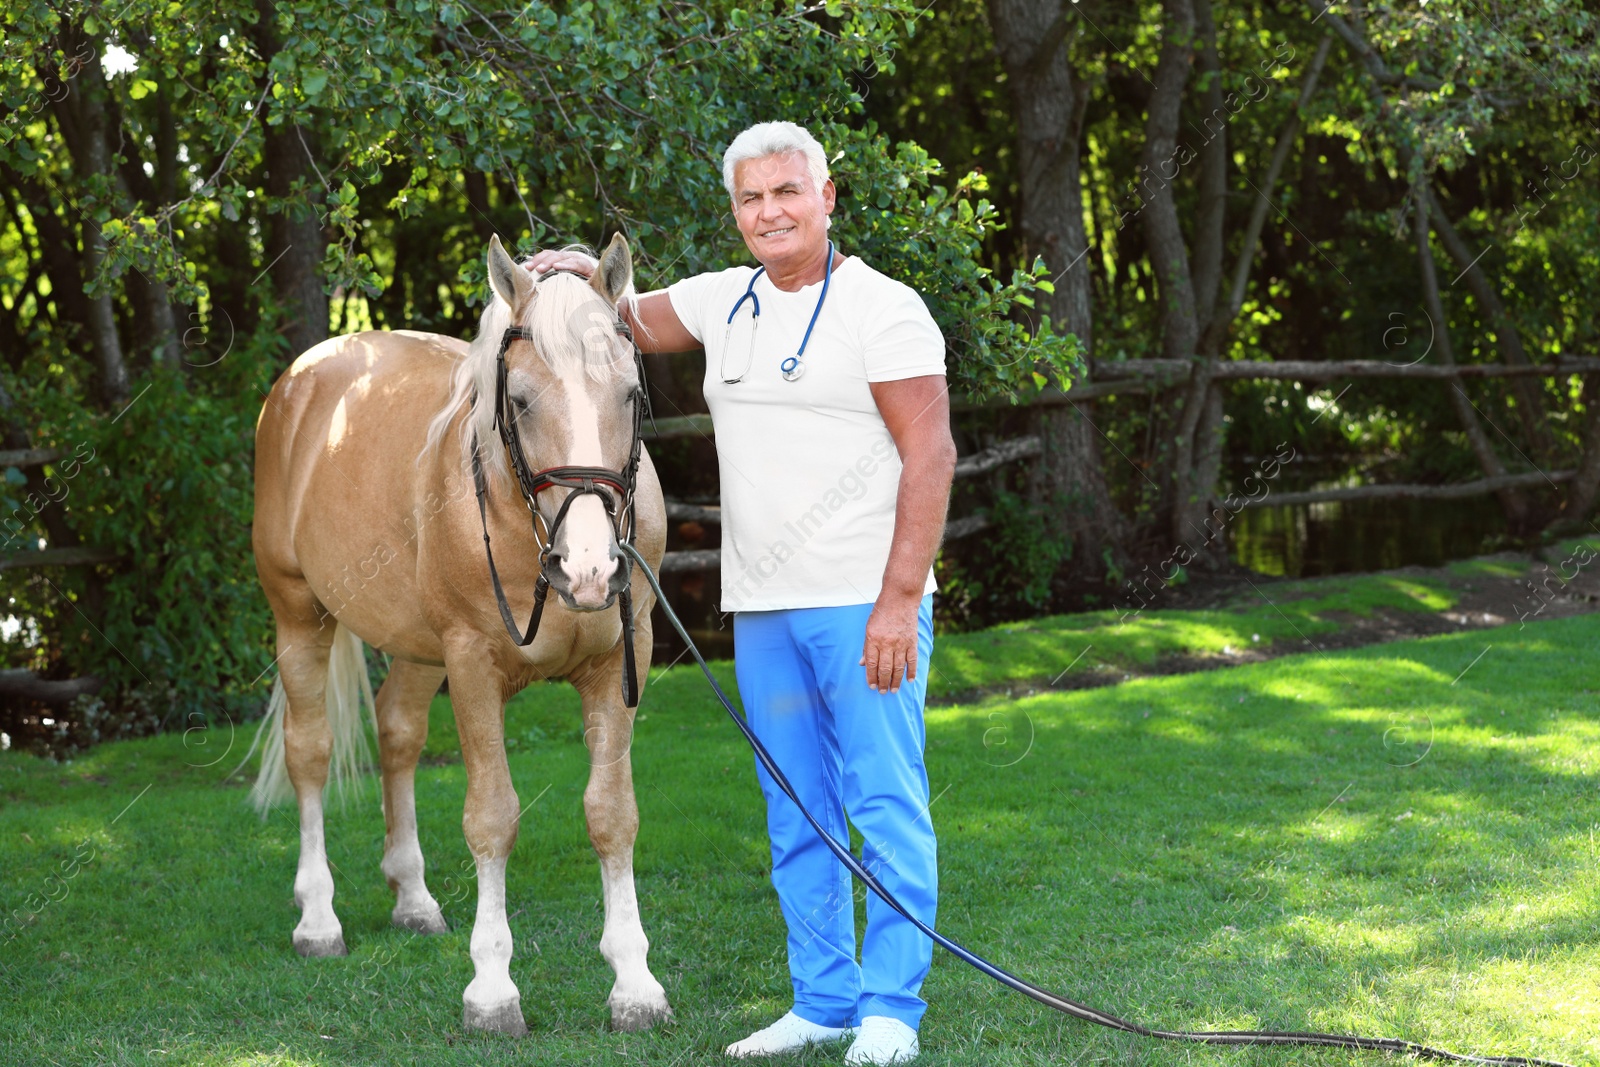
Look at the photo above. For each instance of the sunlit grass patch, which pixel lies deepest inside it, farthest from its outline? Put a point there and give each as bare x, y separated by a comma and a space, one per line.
1489, 568
1293, 613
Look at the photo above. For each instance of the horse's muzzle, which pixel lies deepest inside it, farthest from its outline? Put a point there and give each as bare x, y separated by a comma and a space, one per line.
588, 584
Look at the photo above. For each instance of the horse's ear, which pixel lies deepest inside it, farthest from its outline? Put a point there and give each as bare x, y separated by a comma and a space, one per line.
615, 273
511, 282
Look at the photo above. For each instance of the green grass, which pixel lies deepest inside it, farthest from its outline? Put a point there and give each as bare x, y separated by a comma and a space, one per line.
1400, 840
1291, 613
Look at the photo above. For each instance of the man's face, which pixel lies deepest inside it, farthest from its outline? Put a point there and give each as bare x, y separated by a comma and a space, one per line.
782, 215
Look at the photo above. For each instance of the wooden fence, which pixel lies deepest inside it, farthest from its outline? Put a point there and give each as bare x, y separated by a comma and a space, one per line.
1130, 376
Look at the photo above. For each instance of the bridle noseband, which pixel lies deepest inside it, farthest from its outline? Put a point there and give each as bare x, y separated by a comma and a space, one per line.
616, 490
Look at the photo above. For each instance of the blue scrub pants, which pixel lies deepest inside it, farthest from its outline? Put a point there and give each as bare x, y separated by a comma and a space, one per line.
846, 750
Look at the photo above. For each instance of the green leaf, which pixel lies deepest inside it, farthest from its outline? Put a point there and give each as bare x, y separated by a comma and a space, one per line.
141, 88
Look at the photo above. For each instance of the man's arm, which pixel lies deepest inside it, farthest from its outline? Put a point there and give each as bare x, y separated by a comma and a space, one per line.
917, 413
656, 326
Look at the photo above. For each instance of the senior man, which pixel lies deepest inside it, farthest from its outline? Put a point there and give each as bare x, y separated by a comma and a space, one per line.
825, 381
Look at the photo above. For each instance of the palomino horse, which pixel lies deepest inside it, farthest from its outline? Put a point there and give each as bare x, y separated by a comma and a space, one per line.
367, 529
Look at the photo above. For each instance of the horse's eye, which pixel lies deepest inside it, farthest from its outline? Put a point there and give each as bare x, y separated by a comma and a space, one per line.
520, 405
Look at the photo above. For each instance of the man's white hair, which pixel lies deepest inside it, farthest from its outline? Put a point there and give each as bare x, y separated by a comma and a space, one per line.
770, 139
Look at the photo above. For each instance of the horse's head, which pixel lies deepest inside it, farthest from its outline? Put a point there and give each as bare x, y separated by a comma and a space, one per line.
570, 388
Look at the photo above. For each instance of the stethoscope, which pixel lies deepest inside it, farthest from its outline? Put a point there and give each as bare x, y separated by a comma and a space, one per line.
792, 367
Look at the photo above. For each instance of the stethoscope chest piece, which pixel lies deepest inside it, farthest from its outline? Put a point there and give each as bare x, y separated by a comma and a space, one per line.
792, 368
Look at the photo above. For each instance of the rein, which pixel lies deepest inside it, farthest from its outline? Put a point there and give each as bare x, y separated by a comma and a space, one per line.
616, 490
1021, 985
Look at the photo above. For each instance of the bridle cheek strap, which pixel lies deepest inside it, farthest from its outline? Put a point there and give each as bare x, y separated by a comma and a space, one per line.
616, 490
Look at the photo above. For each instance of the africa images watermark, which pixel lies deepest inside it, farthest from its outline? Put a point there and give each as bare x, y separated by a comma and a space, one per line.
1166, 171
67, 468
1542, 595
1185, 553
851, 484
1579, 159
57, 884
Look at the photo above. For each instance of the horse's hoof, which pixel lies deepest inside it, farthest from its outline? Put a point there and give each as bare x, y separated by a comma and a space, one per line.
422, 922
640, 1014
312, 947
504, 1018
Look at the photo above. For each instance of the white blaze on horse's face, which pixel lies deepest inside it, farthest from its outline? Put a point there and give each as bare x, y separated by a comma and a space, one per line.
589, 425
571, 389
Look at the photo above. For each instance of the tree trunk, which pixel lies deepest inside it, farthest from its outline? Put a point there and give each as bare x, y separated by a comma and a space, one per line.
1210, 212
1070, 477
1530, 398
1516, 510
476, 186
1200, 456
295, 239
1160, 163
82, 113
1049, 105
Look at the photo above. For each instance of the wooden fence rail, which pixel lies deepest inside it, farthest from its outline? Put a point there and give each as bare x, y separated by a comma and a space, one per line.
1147, 375
29, 457
1456, 491
76, 556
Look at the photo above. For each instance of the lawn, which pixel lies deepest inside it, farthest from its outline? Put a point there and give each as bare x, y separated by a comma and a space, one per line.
1398, 840
1292, 616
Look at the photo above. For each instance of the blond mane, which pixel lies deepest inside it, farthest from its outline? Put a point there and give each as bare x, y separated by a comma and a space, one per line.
557, 322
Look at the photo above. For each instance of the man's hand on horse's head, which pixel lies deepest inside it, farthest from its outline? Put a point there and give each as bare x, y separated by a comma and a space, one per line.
548, 259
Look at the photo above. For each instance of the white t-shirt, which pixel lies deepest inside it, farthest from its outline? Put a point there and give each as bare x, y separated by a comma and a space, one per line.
809, 470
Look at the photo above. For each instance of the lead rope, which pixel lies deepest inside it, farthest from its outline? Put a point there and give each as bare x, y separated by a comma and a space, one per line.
1022, 985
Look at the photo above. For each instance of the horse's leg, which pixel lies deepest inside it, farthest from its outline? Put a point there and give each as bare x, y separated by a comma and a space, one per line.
402, 729
491, 1000
637, 1000
303, 650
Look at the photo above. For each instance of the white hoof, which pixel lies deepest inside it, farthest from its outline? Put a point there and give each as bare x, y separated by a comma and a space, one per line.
421, 921
639, 1009
319, 939
502, 1018
320, 946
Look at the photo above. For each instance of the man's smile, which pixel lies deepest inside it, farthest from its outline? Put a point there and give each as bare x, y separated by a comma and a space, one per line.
777, 233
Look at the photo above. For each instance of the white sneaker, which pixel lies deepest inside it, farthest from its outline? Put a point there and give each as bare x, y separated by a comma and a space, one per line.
882, 1039
789, 1034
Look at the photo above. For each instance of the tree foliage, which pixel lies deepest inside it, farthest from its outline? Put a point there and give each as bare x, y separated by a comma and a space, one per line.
190, 194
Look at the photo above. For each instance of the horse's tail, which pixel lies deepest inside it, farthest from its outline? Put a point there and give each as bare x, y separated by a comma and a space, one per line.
348, 693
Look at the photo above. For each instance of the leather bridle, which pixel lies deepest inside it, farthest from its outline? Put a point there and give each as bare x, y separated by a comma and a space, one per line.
616, 490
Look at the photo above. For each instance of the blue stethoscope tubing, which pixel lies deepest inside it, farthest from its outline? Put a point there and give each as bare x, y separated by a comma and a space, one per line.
790, 367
